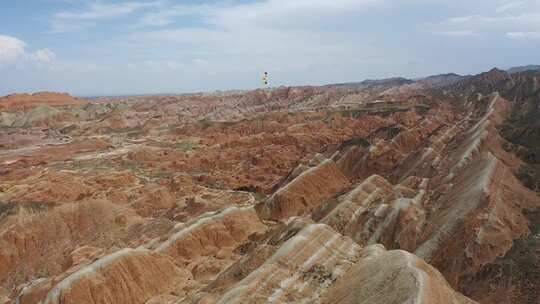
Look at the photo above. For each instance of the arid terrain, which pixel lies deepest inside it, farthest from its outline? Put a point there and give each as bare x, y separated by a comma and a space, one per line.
383, 191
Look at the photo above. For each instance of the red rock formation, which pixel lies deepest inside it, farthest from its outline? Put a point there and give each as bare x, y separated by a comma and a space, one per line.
35, 243
303, 267
397, 276
213, 234
270, 196
126, 276
19, 102
305, 193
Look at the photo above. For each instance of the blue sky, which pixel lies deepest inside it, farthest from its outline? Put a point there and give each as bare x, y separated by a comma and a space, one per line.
110, 47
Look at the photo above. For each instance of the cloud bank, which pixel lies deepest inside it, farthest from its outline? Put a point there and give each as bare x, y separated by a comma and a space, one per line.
13, 51
154, 46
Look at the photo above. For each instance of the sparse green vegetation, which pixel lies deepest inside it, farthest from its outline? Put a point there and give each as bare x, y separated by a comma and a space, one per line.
69, 129
351, 113
6, 209
186, 145
11, 208
205, 123
383, 109
158, 174
422, 109
183, 145
529, 175
130, 132
259, 196
354, 142
134, 132
522, 130
522, 259
391, 132
87, 165
143, 173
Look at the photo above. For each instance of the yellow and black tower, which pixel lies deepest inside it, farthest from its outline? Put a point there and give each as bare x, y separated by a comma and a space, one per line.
265, 79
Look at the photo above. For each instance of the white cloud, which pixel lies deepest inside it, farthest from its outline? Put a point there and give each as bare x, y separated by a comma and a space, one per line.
530, 19
269, 13
528, 22
100, 11
458, 33
276, 35
13, 51
523, 35
155, 65
257, 25
170, 14
279, 14
509, 6
43, 56
506, 17
69, 21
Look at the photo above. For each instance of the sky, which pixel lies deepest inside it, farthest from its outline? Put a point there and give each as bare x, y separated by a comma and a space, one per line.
116, 47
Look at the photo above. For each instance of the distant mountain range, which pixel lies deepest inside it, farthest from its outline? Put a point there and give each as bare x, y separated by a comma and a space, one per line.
519, 69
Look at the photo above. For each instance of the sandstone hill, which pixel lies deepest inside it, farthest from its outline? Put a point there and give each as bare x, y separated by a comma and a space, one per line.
17, 102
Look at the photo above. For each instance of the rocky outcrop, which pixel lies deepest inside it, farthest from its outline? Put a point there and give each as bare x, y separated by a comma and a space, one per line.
299, 271
479, 203
35, 243
214, 233
378, 212
126, 276
305, 193
388, 277
19, 102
